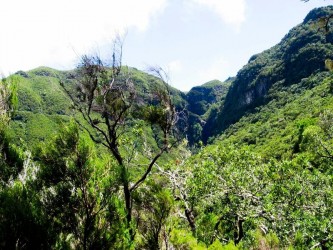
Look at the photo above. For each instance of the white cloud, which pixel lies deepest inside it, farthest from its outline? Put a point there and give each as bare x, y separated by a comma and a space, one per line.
230, 11
40, 32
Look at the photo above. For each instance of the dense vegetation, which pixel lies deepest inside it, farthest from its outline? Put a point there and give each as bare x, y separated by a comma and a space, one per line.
300, 54
109, 157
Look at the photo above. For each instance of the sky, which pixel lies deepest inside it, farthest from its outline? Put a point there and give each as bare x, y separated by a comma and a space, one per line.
194, 41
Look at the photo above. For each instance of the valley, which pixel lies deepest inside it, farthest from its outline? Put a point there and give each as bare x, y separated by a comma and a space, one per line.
111, 157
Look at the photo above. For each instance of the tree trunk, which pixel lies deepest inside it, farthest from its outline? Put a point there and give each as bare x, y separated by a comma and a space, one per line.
239, 233
128, 203
128, 200
190, 219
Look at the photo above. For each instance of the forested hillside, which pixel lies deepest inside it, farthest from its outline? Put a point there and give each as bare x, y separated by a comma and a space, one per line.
109, 157
300, 54
43, 106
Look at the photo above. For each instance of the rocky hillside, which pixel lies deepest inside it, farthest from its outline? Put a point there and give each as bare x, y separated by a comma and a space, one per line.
209, 109
300, 54
202, 106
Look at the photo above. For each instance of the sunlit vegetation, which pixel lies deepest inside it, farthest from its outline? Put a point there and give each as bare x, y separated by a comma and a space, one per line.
110, 157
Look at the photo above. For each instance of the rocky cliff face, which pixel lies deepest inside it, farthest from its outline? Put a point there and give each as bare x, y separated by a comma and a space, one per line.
301, 53
213, 106
202, 103
201, 97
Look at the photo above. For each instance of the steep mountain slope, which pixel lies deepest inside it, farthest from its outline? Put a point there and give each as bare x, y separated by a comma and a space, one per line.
203, 102
265, 184
300, 54
201, 97
43, 105
277, 129
210, 108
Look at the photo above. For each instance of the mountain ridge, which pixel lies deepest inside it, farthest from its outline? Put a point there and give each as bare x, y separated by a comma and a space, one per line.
213, 106
301, 53
127, 178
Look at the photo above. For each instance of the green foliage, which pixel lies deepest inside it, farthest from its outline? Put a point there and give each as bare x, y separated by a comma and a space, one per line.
154, 202
40, 106
41, 93
226, 189
182, 239
316, 143
76, 189
22, 224
217, 245
266, 183
277, 129
234, 193
268, 241
301, 53
11, 161
202, 102
146, 83
8, 95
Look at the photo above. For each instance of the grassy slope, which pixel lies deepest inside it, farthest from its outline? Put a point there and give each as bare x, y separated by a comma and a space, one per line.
273, 130
44, 107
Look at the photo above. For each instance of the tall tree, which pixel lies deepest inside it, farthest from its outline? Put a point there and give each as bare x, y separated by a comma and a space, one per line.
108, 102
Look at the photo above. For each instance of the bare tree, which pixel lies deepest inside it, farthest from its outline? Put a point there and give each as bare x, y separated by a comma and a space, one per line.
106, 98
